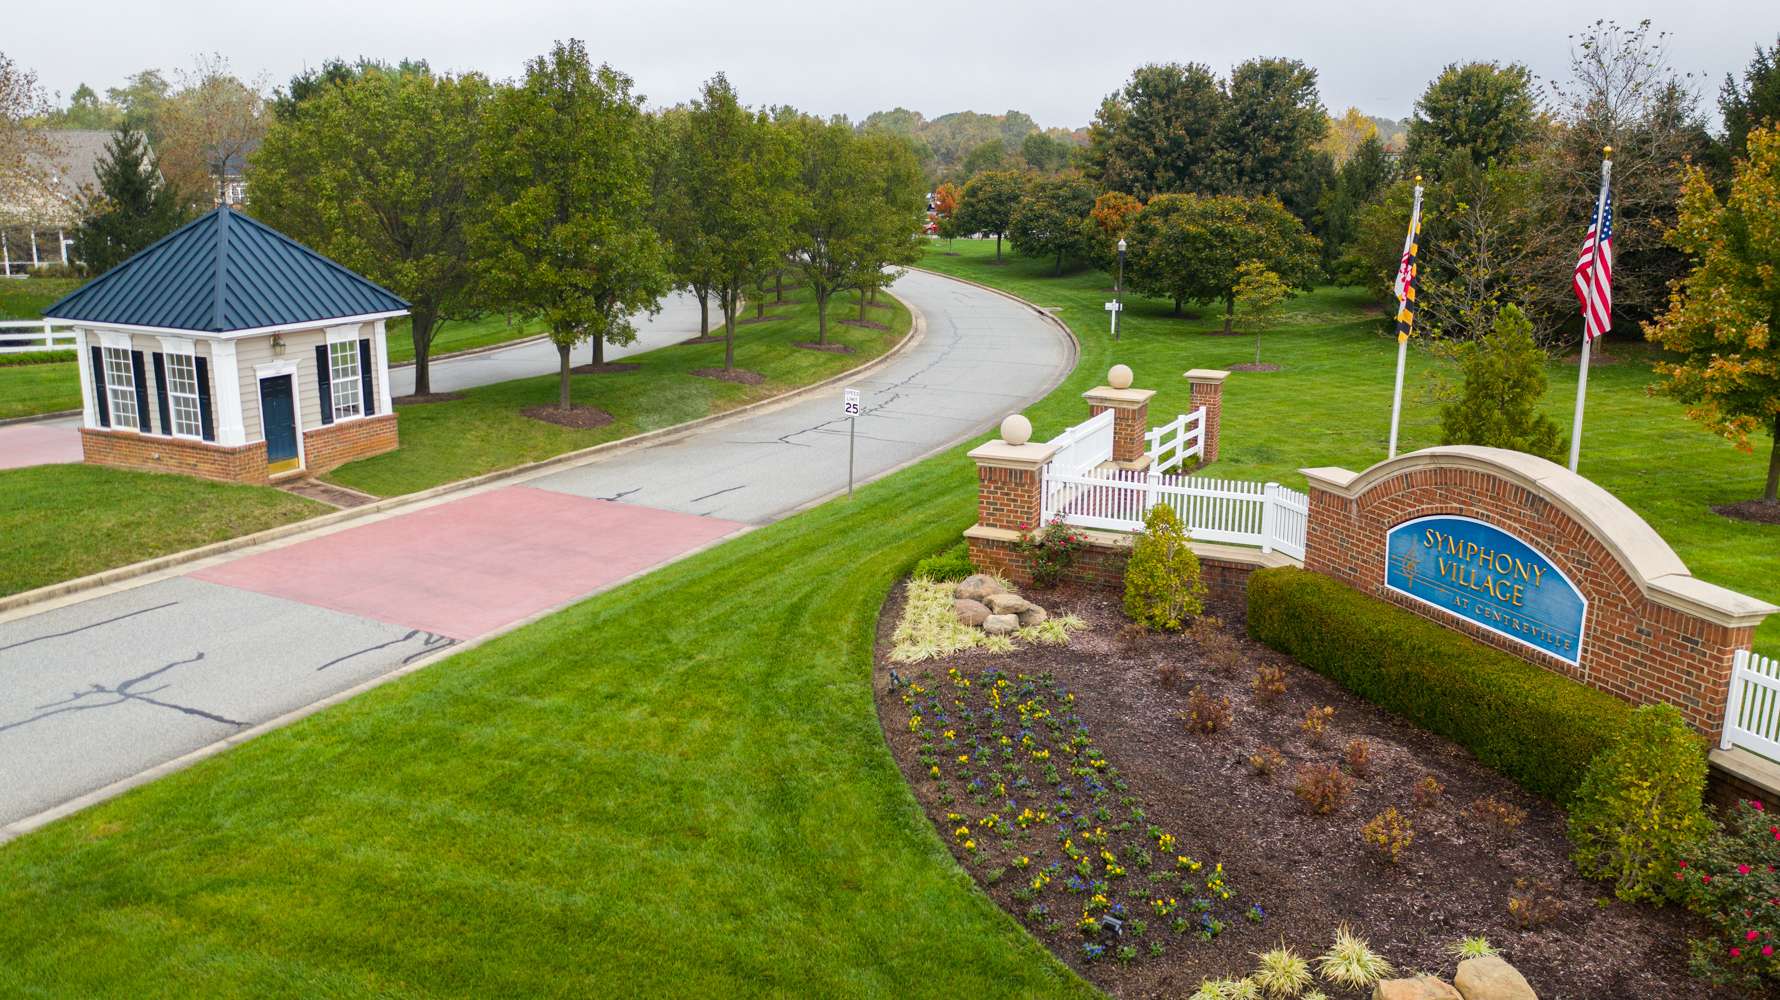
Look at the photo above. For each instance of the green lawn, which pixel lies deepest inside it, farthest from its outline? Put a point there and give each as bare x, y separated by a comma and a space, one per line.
66, 521
485, 431
27, 390
27, 298
1331, 405
459, 335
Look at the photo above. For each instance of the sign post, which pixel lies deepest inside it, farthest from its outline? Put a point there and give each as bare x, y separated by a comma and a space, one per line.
1112, 309
850, 406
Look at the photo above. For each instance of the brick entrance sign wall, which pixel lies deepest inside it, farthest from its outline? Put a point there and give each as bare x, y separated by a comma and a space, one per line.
1650, 632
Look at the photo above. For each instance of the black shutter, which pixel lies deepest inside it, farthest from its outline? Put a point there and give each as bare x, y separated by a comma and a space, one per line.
161, 394
324, 383
103, 404
144, 423
206, 423
364, 376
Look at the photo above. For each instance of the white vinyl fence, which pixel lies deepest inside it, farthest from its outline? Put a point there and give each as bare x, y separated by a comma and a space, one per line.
1171, 444
1752, 713
1213, 510
1084, 446
21, 336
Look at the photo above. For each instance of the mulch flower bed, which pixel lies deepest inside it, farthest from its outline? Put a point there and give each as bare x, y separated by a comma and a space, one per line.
740, 375
1750, 510
579, 417
607, 368
869, 324
426, 397
1485, 858
810, 345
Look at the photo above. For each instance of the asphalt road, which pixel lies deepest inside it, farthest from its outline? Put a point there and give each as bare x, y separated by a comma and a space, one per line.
106, 688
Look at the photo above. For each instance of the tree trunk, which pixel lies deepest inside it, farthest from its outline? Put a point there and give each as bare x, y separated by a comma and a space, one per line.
862, 305
729, 335
1177, 305
420, 332
779, 285
1772, 493
997, 248
1258, 343
704, 313
1058, 273
562, 389
1229, 312
599, 350
760, 305
821, 317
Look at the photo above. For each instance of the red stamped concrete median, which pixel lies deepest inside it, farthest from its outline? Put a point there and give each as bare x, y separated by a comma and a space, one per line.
470, 566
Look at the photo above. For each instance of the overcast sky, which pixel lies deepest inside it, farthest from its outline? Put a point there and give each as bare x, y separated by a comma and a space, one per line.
1053, 60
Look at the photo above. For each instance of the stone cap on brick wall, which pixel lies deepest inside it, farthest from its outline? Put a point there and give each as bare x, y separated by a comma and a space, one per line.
1658, 571
1118, 399
1001, 455
1206, 375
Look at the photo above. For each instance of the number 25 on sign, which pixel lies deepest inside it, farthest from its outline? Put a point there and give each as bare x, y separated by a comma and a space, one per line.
850, 406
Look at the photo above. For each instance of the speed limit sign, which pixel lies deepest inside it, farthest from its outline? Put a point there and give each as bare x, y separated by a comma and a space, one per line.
850, 402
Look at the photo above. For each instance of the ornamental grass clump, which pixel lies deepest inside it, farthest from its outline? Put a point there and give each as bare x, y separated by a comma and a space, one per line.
1163, 589
1350, 962
1472, 947
1282, 973
1640, 807
930, 628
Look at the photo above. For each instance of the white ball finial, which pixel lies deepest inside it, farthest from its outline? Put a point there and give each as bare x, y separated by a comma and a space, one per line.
1119, 376
1016, 429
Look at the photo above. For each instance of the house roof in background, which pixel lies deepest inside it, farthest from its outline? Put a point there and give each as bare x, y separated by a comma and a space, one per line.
56, 178
224, 272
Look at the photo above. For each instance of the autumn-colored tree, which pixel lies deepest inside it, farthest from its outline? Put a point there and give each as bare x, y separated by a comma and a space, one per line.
22, 143
1111, 220
1723, 315
209, 126
1347, 133
945, 199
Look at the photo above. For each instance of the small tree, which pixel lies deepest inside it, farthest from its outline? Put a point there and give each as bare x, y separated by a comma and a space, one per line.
1163, 589
1259, 294
1639, 808
1504, 375
132, 208
1723, 317
988, 203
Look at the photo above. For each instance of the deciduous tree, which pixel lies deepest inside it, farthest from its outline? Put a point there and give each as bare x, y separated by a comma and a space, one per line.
563, 204
1190, 247
378, 173
22, 143
207, 129
132, 208
1259, 294
1159, 133
1269, 130
1052, 220
1723, 316
1485, 110
988, 204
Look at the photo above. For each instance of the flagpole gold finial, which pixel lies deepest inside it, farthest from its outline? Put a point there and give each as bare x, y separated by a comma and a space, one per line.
1418, 178
1606, 151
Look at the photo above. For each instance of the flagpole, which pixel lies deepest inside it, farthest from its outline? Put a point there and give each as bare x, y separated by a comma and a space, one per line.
1588, 312
1403, 335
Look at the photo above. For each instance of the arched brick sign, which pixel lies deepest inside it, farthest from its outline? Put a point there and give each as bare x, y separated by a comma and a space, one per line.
1531, 558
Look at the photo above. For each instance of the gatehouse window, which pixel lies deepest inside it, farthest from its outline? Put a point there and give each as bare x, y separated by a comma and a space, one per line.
343, 377
120, 388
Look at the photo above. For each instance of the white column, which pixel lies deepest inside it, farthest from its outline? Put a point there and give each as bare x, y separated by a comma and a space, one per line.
89, 411
62, 241
225, 376
34, 261
5, 256
380, 351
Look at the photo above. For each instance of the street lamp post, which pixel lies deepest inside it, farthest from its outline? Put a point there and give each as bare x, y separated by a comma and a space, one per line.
1118, 290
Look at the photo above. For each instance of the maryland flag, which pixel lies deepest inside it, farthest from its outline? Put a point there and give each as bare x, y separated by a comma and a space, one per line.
1404, 286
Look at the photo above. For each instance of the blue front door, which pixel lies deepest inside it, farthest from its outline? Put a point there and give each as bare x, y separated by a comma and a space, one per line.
280, 415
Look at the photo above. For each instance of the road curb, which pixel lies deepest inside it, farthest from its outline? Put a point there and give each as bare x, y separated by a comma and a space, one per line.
18, 605
473, 351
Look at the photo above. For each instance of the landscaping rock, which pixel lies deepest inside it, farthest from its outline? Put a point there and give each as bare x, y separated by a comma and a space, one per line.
1007, 604
1419, 988
1001, 624
977, 588
1033, 615
1490, 978
971, 613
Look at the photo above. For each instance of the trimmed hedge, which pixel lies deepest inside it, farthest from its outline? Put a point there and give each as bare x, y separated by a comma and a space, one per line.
1538, 727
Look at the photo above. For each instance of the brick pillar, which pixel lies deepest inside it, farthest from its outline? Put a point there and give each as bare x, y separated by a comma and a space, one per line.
1131, 419
1010, 498
1208, 391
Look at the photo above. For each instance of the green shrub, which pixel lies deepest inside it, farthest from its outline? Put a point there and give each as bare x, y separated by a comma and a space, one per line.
1640, 808
1504, 381
947, 564
35, 358
1732, 882
1162, 585
1535, 726
1050, 551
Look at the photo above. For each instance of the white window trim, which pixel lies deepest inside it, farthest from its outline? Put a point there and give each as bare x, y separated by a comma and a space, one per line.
196, 396
109, 344
341, 335
113, 338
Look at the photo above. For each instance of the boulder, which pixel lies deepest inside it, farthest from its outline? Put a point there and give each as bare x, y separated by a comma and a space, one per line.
970, 613
1419, 988
977, 587
1033, 615
1001, 624
1490, 978
1007, 604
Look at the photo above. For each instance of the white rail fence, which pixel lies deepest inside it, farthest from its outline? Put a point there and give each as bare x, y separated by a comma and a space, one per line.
1752, 713
21, 336
1268, 515
1171, 444
1085, 445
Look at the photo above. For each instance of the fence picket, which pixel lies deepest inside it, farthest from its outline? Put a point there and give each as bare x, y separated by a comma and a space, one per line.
1752, 710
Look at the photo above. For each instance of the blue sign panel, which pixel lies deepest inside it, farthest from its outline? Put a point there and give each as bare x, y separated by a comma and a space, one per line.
1480, 572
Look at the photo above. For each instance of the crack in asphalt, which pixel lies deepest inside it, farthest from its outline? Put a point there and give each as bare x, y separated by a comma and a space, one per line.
719, 493
431, 641
621, 494
120, 694
83, 628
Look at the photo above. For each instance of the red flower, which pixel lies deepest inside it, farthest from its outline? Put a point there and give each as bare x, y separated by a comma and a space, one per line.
1767, 950
1684, 864
1751, 936
1742, 869
1705, 880
1736, 953
1755, 804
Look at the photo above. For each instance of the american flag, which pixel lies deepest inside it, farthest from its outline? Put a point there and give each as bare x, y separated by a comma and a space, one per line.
1594, 270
